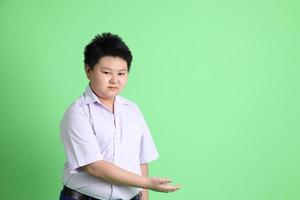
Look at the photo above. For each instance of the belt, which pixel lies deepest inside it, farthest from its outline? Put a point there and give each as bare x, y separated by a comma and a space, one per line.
79, 196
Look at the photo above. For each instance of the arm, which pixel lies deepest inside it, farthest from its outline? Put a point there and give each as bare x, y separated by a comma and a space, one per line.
116, 175
144, 169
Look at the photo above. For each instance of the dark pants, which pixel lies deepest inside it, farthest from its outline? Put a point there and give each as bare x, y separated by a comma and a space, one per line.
65, 197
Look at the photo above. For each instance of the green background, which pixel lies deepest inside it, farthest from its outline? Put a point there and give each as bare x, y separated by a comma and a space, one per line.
218, 83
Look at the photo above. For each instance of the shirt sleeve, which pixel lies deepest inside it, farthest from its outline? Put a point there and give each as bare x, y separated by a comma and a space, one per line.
80, 143
148, 151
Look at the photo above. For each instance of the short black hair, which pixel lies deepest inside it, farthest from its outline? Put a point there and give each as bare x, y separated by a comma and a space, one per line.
106, 44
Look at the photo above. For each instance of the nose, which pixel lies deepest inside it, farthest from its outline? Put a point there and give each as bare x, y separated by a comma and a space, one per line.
113, 79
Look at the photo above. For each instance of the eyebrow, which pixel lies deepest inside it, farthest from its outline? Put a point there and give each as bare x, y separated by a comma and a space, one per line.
107, 68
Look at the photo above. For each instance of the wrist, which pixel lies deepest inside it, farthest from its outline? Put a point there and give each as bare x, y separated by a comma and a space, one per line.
146, 183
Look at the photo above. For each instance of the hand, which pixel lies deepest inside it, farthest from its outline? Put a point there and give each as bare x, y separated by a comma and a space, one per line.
162, 185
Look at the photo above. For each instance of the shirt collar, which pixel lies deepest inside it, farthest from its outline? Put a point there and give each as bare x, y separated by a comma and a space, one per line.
89, 96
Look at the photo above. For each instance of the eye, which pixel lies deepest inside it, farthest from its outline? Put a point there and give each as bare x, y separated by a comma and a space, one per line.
122, 74
106, 73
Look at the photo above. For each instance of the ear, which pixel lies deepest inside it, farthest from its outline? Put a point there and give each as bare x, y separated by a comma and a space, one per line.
87, 70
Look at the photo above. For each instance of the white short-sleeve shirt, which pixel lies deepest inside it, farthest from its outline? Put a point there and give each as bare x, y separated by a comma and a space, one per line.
91, 132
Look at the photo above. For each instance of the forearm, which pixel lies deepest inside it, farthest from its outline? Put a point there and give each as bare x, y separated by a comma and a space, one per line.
116, 175
144, 169
145, 195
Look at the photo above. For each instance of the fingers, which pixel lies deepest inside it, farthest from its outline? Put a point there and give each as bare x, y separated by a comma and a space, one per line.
171, 188
175, 187
163, 185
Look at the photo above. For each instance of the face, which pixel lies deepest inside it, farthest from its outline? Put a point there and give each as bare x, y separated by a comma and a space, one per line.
108, 77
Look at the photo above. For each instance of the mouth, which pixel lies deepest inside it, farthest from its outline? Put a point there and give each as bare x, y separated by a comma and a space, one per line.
113, 88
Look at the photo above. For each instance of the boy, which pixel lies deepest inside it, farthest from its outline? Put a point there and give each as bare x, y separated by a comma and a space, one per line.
107, 142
